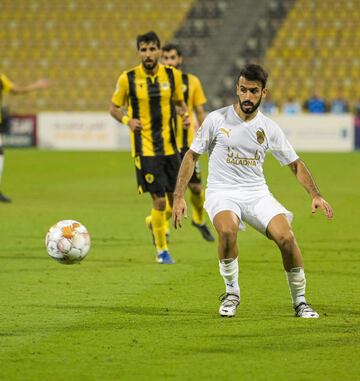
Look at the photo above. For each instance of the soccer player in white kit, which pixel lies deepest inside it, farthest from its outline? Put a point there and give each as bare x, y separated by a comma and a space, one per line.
237, 138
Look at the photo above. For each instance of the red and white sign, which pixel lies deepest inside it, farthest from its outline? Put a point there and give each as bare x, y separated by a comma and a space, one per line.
22, 131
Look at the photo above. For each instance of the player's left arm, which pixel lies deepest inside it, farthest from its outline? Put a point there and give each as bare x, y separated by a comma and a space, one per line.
305, 178
178, 99
182, 110
200, 114
22, 89
199, 99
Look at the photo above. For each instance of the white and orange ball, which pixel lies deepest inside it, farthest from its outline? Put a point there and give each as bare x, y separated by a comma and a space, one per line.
68, 242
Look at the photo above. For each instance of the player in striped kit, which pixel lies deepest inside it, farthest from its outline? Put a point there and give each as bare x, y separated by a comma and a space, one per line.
145, 99
195, 99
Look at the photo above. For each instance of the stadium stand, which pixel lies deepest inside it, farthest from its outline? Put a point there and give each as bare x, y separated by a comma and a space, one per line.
202, 22
258, 28
307, 46
82, 45
315, 49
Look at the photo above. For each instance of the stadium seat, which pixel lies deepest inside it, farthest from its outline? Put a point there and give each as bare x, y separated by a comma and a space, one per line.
79, 42
317, 43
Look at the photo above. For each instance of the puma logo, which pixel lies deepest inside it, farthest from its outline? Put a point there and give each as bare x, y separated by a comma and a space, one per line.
225, 132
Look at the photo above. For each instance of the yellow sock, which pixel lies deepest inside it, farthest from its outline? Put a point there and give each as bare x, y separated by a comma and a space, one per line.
168, 215
158, 227
197, 202
167, 226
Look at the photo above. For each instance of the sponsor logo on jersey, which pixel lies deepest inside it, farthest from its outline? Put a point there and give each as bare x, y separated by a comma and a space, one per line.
165, 85
236, 159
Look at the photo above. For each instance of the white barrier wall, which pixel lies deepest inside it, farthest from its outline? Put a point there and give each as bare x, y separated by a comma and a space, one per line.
99, 131
81, 131
327, 132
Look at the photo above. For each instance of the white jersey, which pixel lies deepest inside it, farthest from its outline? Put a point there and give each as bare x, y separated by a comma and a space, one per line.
237, 149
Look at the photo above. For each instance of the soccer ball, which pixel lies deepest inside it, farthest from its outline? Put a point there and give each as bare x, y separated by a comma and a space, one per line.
67, 242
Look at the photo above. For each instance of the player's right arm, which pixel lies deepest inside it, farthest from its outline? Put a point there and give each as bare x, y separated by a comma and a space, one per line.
120, 114
201, 143
186, 170
119, 102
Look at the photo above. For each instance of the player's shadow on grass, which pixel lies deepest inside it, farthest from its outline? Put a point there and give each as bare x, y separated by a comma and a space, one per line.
337, 310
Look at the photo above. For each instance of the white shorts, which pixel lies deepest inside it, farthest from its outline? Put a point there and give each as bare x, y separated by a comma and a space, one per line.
255, 208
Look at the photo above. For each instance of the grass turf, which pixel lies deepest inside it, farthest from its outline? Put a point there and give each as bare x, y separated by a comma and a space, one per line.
120, 316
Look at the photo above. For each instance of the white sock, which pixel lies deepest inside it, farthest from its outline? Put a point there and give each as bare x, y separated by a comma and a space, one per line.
1, 166
229, 270
297, 283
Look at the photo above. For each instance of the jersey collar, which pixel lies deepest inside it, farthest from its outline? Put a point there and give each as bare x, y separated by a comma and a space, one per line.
244, 121
145, 74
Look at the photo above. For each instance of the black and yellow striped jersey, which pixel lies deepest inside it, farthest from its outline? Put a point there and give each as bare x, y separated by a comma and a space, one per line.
193, 96
5, 86
149, 98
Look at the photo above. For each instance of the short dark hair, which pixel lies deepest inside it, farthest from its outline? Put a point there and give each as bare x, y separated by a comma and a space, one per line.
170, 46
147, 38
254, 72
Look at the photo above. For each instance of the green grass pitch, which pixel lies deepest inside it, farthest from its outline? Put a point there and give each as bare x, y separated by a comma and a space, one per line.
121, 316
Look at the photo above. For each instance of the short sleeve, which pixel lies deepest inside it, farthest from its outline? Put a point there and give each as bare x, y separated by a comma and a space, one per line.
204, 136
6, 84
280, 147
120, 96
199, 95
178, 91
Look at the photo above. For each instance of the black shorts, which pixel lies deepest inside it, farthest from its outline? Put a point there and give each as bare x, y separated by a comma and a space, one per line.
196, 176
157, 174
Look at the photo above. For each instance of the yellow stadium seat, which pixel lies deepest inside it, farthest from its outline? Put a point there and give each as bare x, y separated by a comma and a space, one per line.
319, 43
79, 43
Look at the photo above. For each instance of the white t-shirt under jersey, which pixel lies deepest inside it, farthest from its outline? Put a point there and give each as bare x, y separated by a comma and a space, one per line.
237, 149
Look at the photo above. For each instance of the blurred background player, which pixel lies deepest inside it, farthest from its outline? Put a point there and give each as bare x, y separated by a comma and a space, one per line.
315, 104
195, 99
150, 92
8, 86
291, 106
339, 105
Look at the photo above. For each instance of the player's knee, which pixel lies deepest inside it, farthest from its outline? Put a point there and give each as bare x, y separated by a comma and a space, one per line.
286, 239
227, 234
160, 203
